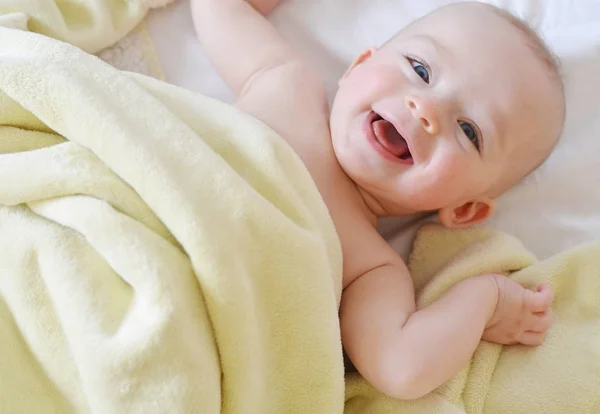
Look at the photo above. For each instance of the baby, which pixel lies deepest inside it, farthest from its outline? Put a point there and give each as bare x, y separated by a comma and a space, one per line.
446, 116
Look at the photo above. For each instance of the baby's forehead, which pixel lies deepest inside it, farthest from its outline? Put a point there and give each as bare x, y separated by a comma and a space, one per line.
474, 21
489, 51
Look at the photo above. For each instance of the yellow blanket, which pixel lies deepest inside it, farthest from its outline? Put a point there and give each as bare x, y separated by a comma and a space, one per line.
160, 252
561, 376
163, 253
90, 25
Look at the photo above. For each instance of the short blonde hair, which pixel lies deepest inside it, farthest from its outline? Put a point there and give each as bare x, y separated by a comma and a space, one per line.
536, 43
552, 63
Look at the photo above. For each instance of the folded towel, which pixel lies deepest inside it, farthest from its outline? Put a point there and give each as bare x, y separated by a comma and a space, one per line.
560, 376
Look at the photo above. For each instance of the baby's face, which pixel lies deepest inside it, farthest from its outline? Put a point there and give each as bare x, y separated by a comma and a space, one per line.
443, 112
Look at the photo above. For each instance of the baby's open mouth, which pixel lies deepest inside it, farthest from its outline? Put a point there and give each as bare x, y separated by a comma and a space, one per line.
388, 136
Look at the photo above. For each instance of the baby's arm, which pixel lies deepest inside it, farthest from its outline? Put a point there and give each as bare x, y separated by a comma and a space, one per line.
406, 353
272, 82
238, 40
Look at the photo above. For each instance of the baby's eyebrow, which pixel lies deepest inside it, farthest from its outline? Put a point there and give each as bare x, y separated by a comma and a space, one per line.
491, 133
498, 127
438, 47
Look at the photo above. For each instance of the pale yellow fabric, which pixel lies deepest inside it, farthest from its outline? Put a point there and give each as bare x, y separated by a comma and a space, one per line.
112, 29
91, 25
160, 252
561, 376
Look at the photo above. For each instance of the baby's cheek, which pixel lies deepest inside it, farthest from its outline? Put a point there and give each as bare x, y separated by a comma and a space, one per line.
452, 168
449, 179
374, 81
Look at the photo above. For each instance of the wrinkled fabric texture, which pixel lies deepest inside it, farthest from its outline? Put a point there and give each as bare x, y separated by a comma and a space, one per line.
91, 25
159, 251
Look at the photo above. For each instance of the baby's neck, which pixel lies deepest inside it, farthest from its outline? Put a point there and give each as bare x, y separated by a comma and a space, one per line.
374, 208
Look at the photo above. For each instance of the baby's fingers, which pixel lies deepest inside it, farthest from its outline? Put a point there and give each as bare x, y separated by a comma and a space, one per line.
540, 300
539, 322
532, 338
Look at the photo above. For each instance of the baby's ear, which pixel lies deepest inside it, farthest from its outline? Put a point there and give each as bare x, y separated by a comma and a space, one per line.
365, 55
468, 213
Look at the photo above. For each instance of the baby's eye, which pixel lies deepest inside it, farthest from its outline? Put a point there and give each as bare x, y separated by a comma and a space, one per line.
420, 68
470, 131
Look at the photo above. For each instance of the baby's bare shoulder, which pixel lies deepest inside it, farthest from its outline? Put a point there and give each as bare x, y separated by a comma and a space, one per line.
284, 95
291, 99
363, 247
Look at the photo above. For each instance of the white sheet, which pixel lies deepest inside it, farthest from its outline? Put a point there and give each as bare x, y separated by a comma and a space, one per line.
555, 208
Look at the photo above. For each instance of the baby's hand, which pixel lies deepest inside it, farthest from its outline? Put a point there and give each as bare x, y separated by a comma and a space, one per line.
521, 316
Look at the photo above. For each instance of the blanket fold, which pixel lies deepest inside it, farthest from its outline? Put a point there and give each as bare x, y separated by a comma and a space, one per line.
163, 252
91, 25
159, 251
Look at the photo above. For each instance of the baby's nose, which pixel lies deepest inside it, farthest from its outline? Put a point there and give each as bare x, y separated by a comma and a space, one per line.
425, 111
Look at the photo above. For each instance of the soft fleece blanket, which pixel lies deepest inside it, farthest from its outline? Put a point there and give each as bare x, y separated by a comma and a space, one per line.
160, 252
91, 25
561, 376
